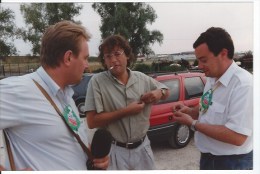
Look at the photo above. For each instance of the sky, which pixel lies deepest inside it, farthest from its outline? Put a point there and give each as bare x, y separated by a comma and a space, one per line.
180, 23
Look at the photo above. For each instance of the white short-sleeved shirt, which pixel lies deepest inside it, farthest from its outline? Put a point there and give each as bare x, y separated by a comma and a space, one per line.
232, 106
39, 137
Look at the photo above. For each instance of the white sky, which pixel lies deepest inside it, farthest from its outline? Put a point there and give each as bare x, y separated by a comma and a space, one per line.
180, 23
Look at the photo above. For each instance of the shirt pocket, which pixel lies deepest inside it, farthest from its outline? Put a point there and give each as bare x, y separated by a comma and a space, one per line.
217, 113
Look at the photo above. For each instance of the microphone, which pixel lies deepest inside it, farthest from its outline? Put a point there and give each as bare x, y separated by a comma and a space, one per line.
100, 146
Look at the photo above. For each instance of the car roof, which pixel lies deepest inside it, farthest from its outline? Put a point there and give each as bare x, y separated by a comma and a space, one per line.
170, 75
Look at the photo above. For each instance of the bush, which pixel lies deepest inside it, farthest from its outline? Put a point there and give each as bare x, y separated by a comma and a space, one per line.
142, 67
98, 70
173, 68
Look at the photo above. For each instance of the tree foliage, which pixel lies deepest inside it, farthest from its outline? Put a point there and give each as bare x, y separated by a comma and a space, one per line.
248, 54
7, 32
38, 16
247, 60
129, 20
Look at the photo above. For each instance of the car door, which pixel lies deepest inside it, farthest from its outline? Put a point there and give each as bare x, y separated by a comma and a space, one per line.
161, 112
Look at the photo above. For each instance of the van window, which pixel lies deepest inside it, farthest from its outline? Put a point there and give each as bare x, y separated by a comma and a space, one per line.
193, 87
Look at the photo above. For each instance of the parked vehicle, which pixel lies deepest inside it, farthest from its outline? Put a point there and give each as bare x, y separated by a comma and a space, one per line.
186, 88
80, 91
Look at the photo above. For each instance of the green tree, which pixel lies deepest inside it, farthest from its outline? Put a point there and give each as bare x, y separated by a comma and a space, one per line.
142, 67
7, 32
129, 20
38, 16
248, 54
247, 60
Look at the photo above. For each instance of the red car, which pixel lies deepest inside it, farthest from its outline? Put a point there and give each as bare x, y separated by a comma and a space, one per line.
184, 87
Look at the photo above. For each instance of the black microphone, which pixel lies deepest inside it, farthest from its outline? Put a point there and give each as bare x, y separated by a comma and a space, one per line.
100, 146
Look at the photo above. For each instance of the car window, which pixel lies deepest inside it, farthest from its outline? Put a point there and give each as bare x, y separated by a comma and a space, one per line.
80, 89
174, 89
193, 87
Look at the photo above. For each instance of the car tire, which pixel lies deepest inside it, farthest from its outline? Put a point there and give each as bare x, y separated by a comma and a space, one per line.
80, 103
180, 136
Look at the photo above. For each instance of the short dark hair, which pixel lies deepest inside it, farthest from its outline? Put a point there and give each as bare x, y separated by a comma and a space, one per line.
58, 39
216, 39
110, 43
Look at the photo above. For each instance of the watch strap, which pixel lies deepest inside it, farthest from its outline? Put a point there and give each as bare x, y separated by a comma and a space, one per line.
193, 124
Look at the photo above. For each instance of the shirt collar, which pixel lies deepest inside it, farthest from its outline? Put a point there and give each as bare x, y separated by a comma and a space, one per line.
226, 77
118, 81
53, 86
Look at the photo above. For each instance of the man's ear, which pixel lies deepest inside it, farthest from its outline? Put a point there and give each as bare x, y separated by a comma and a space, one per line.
67, 57
224, 52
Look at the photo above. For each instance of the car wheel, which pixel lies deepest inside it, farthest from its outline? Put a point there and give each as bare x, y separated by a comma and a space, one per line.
180, 136
80, 103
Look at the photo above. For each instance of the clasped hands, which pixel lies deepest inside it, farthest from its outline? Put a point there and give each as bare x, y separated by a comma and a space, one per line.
151, 96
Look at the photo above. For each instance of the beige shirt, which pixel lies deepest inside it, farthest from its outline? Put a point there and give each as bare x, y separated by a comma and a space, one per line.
107, 94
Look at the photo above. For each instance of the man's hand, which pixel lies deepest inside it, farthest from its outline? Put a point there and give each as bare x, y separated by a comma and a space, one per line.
182, 114
135, 107
183, 118
152, 96
2, 168
101, 163
192, 111
181, 108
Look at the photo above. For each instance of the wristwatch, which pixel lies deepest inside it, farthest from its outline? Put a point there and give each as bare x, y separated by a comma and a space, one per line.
192, 127
163, 90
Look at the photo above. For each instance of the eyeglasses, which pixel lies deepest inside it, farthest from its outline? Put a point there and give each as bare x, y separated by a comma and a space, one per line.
116, 54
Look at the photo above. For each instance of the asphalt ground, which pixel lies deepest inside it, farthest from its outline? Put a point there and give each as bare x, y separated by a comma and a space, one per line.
166, 158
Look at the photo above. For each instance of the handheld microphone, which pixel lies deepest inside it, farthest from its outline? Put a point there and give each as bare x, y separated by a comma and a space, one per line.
100, 146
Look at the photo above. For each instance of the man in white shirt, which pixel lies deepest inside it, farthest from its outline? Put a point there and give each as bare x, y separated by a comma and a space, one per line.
39, 138
223, 123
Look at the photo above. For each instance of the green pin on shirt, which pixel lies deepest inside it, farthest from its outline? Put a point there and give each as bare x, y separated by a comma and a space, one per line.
206, 99
71, 118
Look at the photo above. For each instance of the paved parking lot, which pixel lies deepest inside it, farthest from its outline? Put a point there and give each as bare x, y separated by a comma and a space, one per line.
166, 158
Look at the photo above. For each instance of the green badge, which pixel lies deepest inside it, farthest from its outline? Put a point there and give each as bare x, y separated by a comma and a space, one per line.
206, 101
71, 118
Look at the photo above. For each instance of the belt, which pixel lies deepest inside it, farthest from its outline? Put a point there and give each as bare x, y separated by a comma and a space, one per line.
132, 145
209, 155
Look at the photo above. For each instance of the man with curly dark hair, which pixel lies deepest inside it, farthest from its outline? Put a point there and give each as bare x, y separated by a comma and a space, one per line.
120, 101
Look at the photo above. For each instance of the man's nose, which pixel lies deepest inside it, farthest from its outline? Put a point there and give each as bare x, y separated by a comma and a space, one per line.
113, 57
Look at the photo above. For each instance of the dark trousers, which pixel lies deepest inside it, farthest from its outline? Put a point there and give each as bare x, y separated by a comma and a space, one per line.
226, 162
